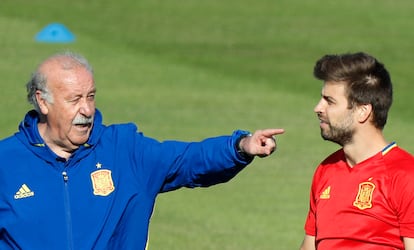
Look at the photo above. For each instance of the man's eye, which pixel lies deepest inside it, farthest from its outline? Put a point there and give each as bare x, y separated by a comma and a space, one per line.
74, 100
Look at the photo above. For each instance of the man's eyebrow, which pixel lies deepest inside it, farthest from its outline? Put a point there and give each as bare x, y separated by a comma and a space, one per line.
328, 98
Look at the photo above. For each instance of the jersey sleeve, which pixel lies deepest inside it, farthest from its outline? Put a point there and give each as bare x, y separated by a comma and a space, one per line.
402, 197
310, 224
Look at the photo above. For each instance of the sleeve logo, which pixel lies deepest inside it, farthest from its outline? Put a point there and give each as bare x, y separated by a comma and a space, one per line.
102, 182
363, 199
326, 193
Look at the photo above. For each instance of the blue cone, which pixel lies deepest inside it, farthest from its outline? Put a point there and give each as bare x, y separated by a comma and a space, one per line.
55, 33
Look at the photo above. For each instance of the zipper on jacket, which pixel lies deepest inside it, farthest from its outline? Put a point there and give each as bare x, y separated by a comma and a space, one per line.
67, 210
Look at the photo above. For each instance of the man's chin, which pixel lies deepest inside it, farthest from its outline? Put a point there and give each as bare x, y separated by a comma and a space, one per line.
80, 139
327, 137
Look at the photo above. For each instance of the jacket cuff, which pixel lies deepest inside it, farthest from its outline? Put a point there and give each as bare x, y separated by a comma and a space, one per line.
240, 155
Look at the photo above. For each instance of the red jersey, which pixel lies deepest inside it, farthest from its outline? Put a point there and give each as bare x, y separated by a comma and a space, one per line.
368, 206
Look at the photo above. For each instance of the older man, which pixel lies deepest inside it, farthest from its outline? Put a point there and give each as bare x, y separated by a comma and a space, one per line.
71, 182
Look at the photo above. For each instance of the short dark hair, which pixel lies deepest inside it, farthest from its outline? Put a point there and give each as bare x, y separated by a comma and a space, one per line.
368, 82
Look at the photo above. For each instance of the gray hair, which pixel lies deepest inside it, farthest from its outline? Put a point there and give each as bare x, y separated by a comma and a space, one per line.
38, 80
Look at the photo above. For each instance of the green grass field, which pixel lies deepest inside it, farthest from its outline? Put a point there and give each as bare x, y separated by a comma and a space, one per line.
191, 69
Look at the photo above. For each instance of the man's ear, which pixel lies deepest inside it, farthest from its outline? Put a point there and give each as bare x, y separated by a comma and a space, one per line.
42, 102
364, 112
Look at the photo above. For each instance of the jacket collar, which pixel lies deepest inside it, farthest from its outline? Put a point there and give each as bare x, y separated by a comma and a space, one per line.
29, 133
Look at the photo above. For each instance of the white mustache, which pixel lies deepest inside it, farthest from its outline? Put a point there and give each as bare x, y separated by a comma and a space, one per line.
81, 120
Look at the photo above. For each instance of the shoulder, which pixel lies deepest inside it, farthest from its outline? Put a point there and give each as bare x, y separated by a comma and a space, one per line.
112, 130
122, 127
400, 159
332, 163
8, 143
124, 134
337, 157
117, 132
12, 151
399, 166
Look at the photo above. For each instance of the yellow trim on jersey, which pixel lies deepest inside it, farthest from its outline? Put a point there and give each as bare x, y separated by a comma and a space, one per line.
389, 148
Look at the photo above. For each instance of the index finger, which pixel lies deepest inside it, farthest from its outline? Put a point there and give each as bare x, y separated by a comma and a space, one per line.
272, 131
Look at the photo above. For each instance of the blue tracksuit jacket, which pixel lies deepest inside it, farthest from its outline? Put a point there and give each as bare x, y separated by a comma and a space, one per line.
103, 196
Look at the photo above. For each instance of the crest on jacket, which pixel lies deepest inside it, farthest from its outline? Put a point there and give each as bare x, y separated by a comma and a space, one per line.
102, 182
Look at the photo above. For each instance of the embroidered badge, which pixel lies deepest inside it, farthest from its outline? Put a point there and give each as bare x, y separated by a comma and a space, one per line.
102, 182
363, 199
